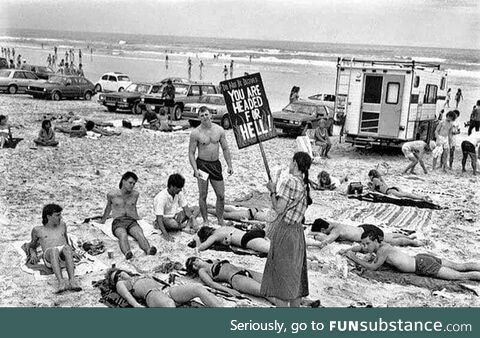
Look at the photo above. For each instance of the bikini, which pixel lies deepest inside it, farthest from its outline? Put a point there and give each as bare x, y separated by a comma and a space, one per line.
216, 267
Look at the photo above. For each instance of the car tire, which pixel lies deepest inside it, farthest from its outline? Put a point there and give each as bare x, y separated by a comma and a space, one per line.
136, 108
112, 109
226, 123
98, 88
56, 96
12, 89
177, 112
121, 89
87, 96
193, 123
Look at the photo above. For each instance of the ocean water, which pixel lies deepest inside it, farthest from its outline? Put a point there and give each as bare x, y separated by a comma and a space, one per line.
282, 64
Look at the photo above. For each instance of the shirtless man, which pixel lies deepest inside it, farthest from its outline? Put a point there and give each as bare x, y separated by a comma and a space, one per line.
122, 204
469, 146
207, 138
421, 264
443, 135
344, 232
57, 252
414, 151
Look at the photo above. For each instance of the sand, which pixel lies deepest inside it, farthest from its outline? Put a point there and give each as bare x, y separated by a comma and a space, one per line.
78, 174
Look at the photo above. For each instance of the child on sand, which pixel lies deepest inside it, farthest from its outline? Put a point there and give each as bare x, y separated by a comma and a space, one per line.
443, 135
421, 264
46, 137
455, 132
437, 150
57, 252
414, 151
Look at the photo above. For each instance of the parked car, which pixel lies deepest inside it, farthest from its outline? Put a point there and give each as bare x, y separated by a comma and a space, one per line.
15, 81
185, 92
301, 115
112, 82
43, 72
3, 63
58, 87
130, 98
215, 104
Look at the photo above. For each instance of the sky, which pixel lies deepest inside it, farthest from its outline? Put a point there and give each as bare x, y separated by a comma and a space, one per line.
427, 23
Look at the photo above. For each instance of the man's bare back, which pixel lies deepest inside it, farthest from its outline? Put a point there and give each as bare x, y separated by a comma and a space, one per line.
123, 204
347, 232
396, 258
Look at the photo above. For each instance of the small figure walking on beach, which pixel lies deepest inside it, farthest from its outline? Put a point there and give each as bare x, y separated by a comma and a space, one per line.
458, 97
79, 56
448, 97
166, 61
49, 60
231, 69
189, 65
225, 72
474, 118
201, 69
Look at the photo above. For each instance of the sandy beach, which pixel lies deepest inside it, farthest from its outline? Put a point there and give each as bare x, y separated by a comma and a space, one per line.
78, 174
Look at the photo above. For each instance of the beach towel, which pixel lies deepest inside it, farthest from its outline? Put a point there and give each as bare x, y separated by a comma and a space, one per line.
388, 275
87, 264
377, 197
148, 229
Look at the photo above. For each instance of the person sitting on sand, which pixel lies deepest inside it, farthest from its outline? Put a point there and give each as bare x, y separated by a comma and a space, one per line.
5, 131
122, 204
253, 239
378, 184
322, 139
163, 121
46, 137
155, 294
57, 252
242, 214
336, 231
171, 209
469, 146
443, 135
414, 151
327, 182
422, 264
216, 273
152, 118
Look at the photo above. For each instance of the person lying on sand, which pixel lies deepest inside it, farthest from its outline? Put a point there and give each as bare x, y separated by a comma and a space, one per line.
155, 294
5, 131
378, 184
421, 264
87, 129
171, 209
327, 182
343, 232
243, 214
46, 137
414, 151
57, 252
122, 204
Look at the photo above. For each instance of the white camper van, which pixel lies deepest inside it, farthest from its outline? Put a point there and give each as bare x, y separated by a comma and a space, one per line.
388, 102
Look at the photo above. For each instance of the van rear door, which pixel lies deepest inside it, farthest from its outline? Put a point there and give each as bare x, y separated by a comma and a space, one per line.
391, 106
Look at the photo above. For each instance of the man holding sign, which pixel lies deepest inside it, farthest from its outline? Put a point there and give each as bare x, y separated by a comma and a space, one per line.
208, 138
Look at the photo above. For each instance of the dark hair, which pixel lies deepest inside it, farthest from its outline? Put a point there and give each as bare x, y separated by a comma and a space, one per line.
204, 233
189, 266
49, 210
478, 102
2, 117
126, 176
320, 224
176, 180
112, 274
374, 173
44, 124
304, 161
169, 81
374, 235
90, 125
457, 112
328, 180
203, 109
452, 115
374, 228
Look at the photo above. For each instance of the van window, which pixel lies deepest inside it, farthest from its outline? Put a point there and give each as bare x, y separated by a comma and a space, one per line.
430, 94
416, 82
442, 83
373, 89
194, 91
393, 91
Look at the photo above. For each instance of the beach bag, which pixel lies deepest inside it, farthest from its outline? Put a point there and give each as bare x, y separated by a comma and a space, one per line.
127, 124
355, 188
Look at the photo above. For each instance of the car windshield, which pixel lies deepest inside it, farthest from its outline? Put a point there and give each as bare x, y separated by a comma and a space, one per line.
137, 88
123, 78
301, 109
56, 79
212, 100
5, 73
181, 89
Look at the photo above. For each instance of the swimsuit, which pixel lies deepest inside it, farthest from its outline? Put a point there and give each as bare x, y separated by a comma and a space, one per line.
245, 273
468, 147
125, 222
212, 168
251, 234
60, 250
216, 267
392, 188
427, 265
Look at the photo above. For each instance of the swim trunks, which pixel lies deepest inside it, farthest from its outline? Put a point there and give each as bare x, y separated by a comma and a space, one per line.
407, 151
442, 141
245, 273
212, 168
60, 249
251, 234
468, 147
427, 265
391, 188
125, 222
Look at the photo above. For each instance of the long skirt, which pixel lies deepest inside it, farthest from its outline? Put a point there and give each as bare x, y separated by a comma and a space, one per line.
285, 275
